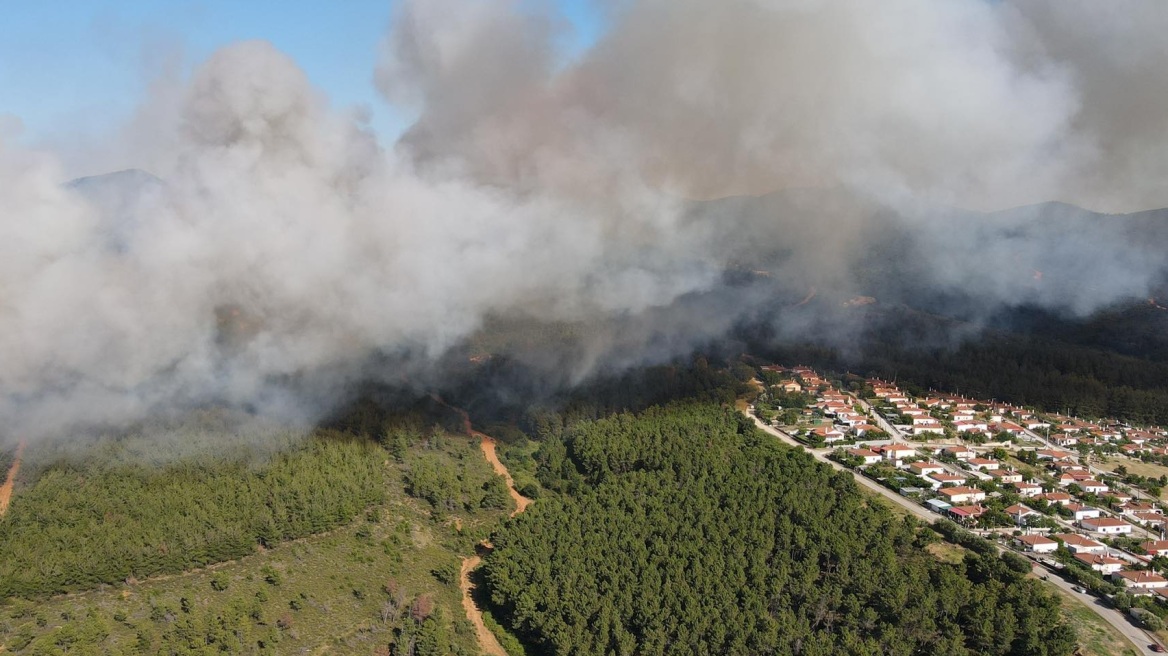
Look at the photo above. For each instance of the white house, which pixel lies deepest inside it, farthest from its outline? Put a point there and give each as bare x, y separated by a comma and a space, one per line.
1007, 476
1156, 547
868, 456
1093, 487
1020, 513
898, 452
829, 434
1036, 543
945, 478
925, 468
960, 452
1082, 512
934, 427
1028, 489
1152, 518
1077, 544
962, 494
1130, 508
1103, 564
1106, 525
1139, 580
982, 463
970, 426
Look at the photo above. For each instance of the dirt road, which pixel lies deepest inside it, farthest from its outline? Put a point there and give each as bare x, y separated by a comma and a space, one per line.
10, 481
821, 455
488, 643
487, 444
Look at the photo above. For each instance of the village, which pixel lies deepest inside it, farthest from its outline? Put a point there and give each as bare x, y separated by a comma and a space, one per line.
1060, 490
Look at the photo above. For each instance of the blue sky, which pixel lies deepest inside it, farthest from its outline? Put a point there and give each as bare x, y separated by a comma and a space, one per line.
83, 65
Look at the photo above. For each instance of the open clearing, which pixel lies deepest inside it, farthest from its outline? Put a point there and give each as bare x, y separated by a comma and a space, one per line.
1136, 467
1096, 637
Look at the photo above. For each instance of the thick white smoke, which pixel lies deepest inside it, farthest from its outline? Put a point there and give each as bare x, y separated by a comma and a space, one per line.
282, 239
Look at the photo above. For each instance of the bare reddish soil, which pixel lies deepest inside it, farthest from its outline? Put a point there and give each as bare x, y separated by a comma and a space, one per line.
6, 489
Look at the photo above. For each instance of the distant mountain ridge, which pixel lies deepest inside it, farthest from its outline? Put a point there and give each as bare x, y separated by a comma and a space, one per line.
120, 198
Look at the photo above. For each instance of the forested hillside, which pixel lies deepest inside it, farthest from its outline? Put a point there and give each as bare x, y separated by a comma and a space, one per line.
79, 526
385, 506
684, 530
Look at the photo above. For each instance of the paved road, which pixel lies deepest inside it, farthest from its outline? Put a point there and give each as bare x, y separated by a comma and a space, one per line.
821, 455
881, 422
1109, 615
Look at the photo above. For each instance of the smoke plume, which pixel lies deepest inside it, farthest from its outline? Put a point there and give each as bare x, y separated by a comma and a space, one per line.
283, 246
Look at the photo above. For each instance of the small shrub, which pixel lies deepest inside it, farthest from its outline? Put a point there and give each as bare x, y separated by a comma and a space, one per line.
271, 575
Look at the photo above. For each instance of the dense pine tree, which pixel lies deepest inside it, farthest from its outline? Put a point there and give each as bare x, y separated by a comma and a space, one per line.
685, 531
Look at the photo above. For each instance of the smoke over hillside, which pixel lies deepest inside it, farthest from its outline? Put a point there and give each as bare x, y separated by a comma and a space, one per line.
283, 245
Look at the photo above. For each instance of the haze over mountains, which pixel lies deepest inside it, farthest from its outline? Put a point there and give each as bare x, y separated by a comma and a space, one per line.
284, 251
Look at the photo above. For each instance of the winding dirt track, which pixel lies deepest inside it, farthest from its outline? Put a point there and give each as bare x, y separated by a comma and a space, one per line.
487, 444
488, 643
6, 489
487, 640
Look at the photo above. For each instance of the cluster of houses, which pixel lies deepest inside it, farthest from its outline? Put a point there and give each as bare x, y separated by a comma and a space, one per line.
848, 423
1113, 563
953, 485
1069, 432
968, 417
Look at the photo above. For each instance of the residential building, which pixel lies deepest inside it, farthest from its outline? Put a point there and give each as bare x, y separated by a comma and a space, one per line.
898, 452
1036, 543
1106, 525
962, 495
1077, 544
1055, 497
1020, 513
1093, 487
1156, 547
966, 513
1028, 489
1006, 476
1139, 580
925, 468
959, 452
1105, 565
945, 479
1082, 512
868, 456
